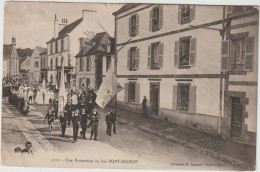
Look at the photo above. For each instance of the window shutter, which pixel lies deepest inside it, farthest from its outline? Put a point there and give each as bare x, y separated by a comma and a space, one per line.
193, 43
192, 99
160, 59
89, 63
192, 12
126, 92
150, 21
161, 16
176, 53
137, 25
149, 56
130, 27
137, 93
224, 55
229, 9
179, 13
174, 97
128, 59
137, 57
249, 54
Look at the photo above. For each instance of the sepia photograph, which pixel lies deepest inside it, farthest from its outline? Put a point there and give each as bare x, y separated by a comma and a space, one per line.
138, 86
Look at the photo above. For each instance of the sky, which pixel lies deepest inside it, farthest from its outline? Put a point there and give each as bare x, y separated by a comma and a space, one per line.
32, 22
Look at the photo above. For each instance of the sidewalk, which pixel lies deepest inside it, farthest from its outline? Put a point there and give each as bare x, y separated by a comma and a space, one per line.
228, 151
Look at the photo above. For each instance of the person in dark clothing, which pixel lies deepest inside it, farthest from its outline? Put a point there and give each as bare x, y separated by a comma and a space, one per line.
27, 149
109, 123
113, 119
68, 111
75, 120
144, 106
94, 123
50, 117
56, 108
63, 120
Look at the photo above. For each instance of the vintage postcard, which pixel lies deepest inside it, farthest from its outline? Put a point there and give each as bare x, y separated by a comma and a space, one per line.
129, 86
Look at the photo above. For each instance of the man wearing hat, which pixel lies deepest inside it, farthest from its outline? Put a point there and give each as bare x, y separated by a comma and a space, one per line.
75, 120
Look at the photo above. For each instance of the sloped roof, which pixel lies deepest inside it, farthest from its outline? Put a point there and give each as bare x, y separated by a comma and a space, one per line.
7, 51
99, 46
40, 49
125, 8
44, 52
22, 59
24, 52
67, 29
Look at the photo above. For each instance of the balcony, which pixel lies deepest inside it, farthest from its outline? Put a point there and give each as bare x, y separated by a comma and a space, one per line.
237, 67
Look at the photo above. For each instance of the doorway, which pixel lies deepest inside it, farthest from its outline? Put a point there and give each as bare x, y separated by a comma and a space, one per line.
236, 117
154, 98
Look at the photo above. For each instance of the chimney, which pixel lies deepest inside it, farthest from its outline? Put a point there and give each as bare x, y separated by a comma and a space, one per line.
63, 23
85, 13
13, 41
56, 27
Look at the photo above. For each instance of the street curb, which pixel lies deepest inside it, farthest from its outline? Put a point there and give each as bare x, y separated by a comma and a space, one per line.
216, 155
213, 154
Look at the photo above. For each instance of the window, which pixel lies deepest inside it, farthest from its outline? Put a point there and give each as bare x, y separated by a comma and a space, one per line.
57, 62
133, 25
36, 64
183, 97
131, 92
88, 82
80, 82
51, 64
155, 55
108, 47
108, 63
62, 60
62, 45
133, 58
81, 64
88, 63
51, 48
156, 18
185, 52
241, 53
56, 47
51, 77
186, 13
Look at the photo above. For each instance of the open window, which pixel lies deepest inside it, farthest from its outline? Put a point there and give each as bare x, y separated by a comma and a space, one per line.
185, 52
133, 58
156, 18
134, 25
155, 55
186, 13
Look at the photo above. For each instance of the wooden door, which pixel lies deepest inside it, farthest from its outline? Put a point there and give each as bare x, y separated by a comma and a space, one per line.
236, 117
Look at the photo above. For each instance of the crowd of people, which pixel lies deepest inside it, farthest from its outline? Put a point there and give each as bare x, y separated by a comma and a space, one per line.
81, 112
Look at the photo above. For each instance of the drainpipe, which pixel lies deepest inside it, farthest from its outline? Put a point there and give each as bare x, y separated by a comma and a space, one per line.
221, 82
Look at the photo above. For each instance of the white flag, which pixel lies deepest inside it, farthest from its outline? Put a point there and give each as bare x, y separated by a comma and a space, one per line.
108, 89
62, 93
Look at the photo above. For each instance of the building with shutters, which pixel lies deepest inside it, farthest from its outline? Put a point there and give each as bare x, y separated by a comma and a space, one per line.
89, 60
10, 59
64, 45
172, 55
44, 66
239, 65
35, 64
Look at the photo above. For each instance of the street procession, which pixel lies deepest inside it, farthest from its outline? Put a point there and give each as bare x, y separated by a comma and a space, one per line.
65, 106
166, 86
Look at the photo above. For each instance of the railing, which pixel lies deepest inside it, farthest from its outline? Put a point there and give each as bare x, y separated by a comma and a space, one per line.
237, 67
